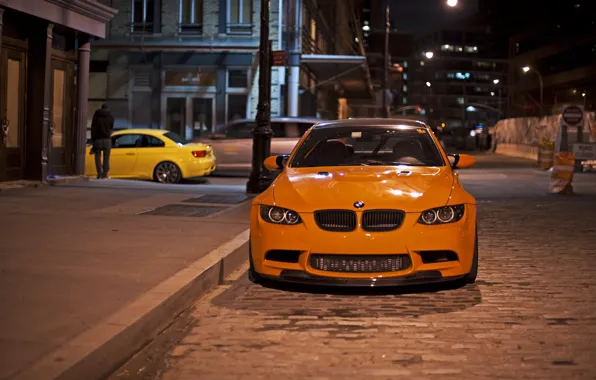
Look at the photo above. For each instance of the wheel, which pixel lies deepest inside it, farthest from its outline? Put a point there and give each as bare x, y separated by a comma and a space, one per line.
253, 276
167, 172
470, 277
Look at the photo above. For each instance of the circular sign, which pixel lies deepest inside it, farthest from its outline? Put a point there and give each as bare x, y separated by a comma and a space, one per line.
573, 115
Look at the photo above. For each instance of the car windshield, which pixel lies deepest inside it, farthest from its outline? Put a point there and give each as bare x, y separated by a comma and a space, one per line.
176, 138
368, 146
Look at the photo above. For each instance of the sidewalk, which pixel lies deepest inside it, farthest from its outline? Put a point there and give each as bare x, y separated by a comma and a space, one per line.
71, 257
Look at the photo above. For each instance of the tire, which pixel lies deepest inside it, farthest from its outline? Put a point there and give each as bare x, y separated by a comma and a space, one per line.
167, 172
253, 276
470, 277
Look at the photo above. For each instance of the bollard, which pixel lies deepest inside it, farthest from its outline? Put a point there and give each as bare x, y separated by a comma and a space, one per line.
562, 174
546, 150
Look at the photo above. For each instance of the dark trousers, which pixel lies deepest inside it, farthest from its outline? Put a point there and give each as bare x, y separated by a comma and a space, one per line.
102, 146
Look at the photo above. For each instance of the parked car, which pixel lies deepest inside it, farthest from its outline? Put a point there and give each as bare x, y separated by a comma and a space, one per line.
155, 154
233, 143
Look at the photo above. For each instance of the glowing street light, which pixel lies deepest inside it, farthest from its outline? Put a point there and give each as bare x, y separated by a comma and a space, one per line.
496, 81
452, 3
526, 69
427, 84
429, 54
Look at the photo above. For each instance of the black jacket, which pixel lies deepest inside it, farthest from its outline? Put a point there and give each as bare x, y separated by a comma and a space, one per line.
102, 124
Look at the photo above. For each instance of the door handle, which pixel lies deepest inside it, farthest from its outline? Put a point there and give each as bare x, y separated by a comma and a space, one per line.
130, 154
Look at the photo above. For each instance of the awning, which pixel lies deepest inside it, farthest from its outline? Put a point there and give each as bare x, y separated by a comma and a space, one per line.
346, 74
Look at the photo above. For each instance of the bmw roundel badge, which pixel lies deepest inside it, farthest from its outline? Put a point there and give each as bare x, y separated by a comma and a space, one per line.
358, 204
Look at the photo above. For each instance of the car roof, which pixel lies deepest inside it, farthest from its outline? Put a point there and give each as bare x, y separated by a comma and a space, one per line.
372, 122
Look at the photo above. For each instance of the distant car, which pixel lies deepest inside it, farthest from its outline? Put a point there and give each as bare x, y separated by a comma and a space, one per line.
365, 202
155, 154
233, 144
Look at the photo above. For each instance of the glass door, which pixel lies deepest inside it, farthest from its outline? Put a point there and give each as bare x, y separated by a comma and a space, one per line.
203, 110
12, 120
176, 115
60, 118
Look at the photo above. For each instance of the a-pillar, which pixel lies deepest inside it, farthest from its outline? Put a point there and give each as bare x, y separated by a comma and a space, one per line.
82, 101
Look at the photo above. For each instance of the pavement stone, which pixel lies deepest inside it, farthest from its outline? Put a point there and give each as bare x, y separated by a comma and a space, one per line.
71, 256
531, 314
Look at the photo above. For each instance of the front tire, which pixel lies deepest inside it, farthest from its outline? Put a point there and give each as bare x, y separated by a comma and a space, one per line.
167, 172
470, 277
253, 276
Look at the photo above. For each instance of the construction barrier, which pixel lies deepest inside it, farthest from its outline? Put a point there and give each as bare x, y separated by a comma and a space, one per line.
562, 174
546, 151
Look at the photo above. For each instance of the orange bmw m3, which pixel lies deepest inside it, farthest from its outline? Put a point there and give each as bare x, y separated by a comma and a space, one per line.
365, 202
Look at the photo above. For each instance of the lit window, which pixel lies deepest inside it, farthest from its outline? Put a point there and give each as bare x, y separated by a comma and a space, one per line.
405, 76
405, 87
240, 16
460, 100
405, 100
191, 16
142, 16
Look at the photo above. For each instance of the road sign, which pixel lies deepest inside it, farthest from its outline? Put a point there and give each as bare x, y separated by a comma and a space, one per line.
278, 58
584, 152
573, 115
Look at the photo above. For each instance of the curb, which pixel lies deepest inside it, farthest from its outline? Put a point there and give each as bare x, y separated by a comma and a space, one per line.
67, 180
101, 350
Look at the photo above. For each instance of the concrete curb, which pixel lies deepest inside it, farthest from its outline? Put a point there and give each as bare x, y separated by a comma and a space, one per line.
99, 351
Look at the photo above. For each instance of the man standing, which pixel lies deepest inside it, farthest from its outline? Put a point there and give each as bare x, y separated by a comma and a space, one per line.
101, 131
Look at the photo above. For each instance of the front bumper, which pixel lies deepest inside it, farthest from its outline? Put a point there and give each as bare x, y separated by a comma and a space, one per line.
412, 239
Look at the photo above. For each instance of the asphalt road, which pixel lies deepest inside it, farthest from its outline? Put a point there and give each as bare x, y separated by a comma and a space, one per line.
531, 314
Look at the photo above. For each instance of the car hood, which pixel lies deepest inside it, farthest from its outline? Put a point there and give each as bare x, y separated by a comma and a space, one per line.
408, 188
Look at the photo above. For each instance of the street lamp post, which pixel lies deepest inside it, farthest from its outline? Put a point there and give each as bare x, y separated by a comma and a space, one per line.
528, 68
386, 63
260, 178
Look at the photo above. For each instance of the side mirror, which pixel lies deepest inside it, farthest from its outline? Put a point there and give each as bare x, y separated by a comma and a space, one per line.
461, 161
275, 162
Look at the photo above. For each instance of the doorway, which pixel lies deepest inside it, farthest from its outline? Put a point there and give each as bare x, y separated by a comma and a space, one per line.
192, 117
60, 122
12, 117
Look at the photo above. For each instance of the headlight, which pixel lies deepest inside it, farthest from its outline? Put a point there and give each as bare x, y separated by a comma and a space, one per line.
442, 215
278, 215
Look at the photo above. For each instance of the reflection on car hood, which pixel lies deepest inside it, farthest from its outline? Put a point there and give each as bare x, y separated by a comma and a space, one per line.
408, 188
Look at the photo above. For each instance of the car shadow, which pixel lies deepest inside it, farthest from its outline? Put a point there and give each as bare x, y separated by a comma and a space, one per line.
289, 300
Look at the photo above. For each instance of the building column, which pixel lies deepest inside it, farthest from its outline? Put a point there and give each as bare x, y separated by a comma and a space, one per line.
1, 24
82, 102
47, 120
294, 61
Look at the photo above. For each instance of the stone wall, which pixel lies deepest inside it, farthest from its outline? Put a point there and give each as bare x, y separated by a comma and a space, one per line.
520, 136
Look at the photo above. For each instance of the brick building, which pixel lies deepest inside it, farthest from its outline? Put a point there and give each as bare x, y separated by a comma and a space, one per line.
44, 62
192, 65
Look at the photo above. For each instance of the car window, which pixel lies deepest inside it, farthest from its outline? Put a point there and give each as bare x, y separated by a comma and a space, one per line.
147, 141
125, 141
368, 146
240, 131
175, 138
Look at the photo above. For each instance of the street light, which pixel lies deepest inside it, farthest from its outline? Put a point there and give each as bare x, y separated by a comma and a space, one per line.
527, 69
429, 54
260, 178
452, 3
427, 84
496, 81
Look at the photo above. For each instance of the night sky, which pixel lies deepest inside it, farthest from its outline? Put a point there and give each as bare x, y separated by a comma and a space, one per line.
420, 17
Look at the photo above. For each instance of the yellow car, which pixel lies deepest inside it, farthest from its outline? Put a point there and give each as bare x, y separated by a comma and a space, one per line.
367, 202
154, 154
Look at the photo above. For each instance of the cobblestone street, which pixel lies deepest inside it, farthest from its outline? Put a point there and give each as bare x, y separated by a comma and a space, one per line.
531, 314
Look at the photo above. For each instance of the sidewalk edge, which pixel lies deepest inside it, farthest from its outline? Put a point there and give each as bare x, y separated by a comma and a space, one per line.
99, 351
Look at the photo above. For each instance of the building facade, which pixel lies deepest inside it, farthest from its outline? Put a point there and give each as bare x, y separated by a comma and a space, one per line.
44, 63
190, 66
458, 76
553, 60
